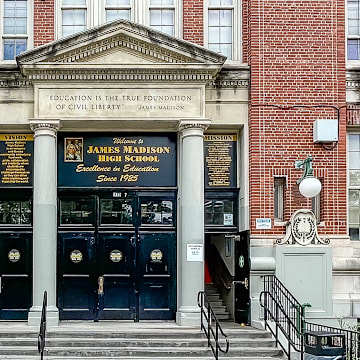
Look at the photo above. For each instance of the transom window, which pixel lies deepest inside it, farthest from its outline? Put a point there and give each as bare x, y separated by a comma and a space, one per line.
77, 212
15, 28
354, 186
157, 212
15, 212
220, 212
116, 211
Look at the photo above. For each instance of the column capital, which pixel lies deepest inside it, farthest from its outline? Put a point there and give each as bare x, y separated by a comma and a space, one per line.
46, 127
195, 124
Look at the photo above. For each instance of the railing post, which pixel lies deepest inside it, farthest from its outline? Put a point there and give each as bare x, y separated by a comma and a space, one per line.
209, 322
289, 342
217, 341
201, 309
277, 325
265, 309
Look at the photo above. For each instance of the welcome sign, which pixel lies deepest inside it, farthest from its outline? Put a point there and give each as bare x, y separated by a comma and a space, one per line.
117, 161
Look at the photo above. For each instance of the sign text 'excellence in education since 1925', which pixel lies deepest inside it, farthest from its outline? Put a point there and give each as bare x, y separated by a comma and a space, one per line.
117, 160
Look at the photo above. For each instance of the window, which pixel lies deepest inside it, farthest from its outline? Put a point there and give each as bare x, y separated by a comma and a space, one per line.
354, 186
157, 212
219, 212
117, 9
77, 212
79, 15
162, 16
15, 28
73, 16
116, 211
316, 207
279, 196
223, 20
353, 30
15, 212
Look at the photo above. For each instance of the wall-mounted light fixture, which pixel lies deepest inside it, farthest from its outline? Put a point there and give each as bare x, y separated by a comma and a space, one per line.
309, 185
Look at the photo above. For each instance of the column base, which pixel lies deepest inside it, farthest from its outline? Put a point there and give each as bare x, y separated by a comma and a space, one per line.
52, 316
188, 316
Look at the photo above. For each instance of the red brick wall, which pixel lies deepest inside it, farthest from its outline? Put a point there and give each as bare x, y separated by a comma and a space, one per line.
43, 21
193, 21
297, 57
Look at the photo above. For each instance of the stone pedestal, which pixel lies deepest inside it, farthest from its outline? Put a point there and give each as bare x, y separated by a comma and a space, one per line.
44, 220
191, 273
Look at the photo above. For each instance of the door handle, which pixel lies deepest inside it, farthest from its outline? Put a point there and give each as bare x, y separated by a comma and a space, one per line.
245, 283
132, 241
101, 285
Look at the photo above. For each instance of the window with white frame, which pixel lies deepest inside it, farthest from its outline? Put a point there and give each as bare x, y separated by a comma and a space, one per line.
354, 186
279, 198
77, 15
73, 16
353, 29
15, 28
117, 9
223, 24
162, 15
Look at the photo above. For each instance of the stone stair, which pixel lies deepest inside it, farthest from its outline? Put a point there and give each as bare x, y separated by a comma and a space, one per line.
216, 302
152, 341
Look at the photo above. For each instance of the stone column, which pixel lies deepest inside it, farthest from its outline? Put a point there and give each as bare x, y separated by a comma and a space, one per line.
44, 220
191, 231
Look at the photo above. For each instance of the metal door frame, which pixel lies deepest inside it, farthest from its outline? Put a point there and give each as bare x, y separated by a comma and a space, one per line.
98, 229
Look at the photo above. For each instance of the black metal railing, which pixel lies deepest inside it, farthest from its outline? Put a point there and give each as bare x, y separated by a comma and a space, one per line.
208, 321
288, 318
352, 338
42, 332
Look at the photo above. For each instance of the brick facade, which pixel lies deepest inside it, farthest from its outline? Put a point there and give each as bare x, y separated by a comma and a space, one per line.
44, 27
193, 21
297, 58
296, 51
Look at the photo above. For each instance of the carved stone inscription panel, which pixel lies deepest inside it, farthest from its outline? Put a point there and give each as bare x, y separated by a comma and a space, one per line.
120, 103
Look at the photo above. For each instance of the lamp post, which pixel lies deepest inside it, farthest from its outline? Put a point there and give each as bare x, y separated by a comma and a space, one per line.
309, 185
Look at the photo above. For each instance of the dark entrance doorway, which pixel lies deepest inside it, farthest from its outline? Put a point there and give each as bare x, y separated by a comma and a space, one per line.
15, 254
117, 256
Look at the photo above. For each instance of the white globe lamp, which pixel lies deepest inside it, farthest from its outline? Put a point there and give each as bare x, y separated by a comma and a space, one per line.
310, 187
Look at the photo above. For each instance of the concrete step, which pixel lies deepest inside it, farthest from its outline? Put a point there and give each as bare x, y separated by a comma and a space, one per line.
85, 342
133, 341
216, 303
135, 351
135, 358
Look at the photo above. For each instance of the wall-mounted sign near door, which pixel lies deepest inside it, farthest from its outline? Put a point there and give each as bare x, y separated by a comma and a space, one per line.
117, 160
220, 160
16, 159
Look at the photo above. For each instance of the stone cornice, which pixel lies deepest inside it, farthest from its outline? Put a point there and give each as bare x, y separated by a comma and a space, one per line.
13, 79
228, 83
138, 74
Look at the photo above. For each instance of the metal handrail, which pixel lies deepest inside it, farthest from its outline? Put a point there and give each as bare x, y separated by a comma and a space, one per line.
42, 331
288, 316
207, 318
